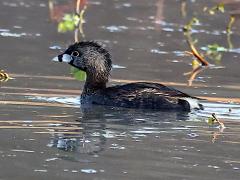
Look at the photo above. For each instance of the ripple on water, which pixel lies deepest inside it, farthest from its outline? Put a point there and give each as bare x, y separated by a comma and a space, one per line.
168, 29
236, 168
51, 159
18, 4
157, 51
117, 146
4, 30
235, 50
193, 135
179, 53
115, 66
115, 28
55, 47
10, 4
22, 150
144, 131
9, 34
214, 167
89, 171
17, 27
41, 170
123, 5
75, 100
95, 3
222, 110
134, 19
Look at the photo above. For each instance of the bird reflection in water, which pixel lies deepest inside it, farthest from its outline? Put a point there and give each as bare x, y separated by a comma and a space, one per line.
99, 123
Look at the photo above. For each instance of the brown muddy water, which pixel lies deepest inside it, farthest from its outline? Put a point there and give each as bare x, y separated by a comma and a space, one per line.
45, 134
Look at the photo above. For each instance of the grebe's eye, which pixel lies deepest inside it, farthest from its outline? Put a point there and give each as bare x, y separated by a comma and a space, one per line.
75, 53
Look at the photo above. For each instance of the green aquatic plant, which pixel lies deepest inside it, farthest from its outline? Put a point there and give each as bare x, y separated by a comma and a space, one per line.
221, 8
78, 74
196, 54
229, 41
74, 22
4, 77
79, 30
189, 26
69, 23
213, 120
216, 47
199, 63
230, 24
213, 10
214, 52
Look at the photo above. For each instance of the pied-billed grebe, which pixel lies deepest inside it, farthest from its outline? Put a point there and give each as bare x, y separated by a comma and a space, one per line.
96, 61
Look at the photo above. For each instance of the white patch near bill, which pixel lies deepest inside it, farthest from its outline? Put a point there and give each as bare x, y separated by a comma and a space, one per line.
55, 59
66, 58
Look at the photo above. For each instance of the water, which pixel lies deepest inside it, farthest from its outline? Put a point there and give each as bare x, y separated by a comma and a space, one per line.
46, 134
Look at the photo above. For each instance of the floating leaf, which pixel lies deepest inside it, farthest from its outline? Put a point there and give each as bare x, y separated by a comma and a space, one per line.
216, 47
78, 74
214, 52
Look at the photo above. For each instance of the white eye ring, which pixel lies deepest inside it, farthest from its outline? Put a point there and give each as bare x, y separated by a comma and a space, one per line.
75, 53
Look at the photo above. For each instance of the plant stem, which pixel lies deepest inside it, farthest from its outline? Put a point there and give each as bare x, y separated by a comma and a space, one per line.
230, 24
215, 118
197, 54
78, 6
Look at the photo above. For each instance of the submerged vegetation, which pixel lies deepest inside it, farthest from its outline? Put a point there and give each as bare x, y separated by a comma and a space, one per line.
213, 51
213, 10
212, 120
4, 77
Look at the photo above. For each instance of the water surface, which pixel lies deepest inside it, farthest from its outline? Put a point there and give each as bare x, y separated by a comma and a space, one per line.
45, 132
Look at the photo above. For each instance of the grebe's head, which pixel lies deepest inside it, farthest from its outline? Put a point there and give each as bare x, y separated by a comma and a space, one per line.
90, 57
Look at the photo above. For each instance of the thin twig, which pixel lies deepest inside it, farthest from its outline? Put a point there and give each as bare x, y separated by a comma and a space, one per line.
81, 16
230, 24
183, 8
50, 5
76, 35
197, 54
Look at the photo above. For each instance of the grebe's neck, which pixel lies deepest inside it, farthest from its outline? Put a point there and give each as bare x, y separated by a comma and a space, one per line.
94, 83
